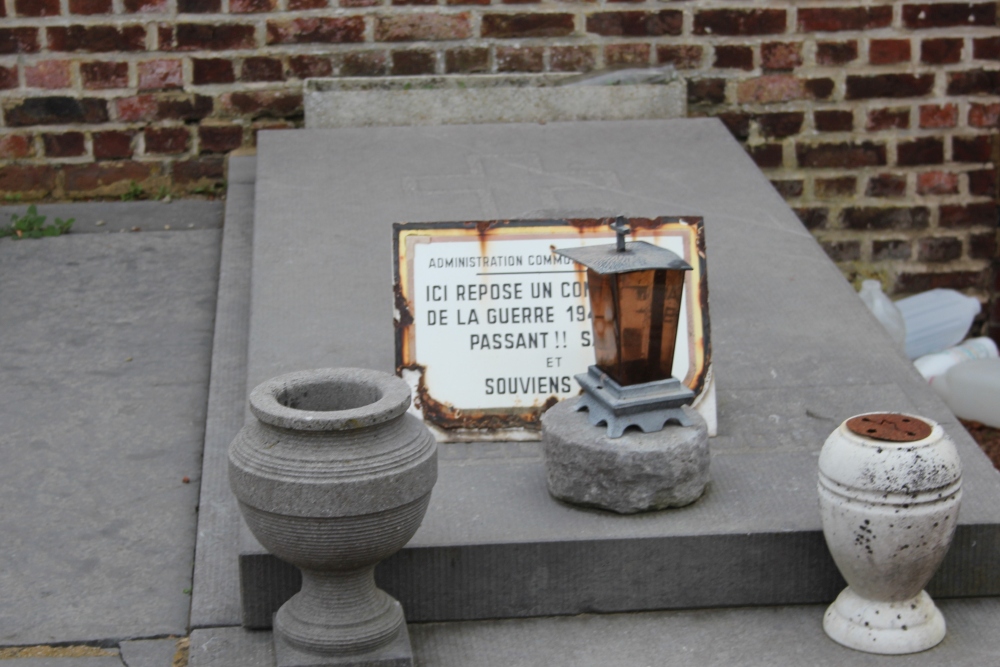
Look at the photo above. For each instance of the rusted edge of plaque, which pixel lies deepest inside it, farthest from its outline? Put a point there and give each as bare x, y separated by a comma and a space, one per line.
889, 426
448, 417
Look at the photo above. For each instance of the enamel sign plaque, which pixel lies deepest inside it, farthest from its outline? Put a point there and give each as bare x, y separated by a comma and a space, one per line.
492, 325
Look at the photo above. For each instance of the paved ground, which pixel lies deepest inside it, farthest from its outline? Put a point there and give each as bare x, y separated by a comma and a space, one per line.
104, 372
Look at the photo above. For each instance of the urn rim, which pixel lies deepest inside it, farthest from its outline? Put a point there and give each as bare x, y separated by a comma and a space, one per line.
330, 399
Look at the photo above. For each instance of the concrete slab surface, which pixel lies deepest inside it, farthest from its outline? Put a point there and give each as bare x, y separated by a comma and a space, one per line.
148, 216
795, 353
749, 637
111, 661
149, 652
104, 367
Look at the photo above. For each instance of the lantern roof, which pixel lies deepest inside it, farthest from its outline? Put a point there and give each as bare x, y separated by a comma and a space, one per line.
636, 256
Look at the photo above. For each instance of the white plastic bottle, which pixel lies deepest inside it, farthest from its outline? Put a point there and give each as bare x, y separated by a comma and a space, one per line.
936, 320
972, 390
884, 310
933, 365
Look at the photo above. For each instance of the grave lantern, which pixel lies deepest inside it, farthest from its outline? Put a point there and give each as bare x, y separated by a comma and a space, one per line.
636, 290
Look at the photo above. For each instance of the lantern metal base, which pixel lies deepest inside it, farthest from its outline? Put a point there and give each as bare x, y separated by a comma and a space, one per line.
649, 405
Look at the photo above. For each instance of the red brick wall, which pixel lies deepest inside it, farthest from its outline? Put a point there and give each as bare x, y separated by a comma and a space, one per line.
877, 120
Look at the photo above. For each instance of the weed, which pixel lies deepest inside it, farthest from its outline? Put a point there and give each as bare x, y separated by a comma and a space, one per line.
163, 192
212, 189
32, 226
133, 193
12, 197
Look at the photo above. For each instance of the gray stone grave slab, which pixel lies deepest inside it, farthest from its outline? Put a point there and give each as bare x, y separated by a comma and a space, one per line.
104, 366
794, 350
109, 661
483, 98
149, 653
749, 637
147, 216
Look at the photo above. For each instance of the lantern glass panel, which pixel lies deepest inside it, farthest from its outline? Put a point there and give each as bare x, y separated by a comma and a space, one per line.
635, 323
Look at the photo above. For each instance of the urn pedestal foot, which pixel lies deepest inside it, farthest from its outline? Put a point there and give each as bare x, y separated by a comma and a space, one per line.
889, 628
397, 653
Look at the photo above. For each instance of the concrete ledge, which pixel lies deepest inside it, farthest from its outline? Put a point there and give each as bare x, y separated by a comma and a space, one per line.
465, 99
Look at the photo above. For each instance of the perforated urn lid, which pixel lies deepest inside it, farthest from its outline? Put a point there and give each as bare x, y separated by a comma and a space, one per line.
637, 256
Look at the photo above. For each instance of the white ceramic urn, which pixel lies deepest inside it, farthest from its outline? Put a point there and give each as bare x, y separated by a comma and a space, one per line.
889, 493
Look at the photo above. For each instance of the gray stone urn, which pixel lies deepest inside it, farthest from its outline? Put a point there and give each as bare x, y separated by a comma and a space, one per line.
333, 476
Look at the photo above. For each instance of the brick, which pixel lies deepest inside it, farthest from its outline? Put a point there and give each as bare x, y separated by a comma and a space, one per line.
969, 215
467, 2
974, 82
710, 91
365, 63
96, 38
889, 51
507, 26
27, 178
65, 144
422, 27
842, 186
520, 59
983, 182
328, 30
984, 115
103, 75
928, 150
739, 22
636, 24
972, 149
56, 111
295, 5
616, 55
18, 40
208, 37
14, 146
887, 119
843, 155
575, 58
262, 69
888, 85
681, 56
304, 67
836, 53
886, 185
411, 62
733, 57
780, 56
921, 282
941, 51
359, 3
770, 88
164, 107
189, 172
835, 19
536, 2
949, 14
95, 176
813, 218
413, 2
819, 89
112, 145
873, 218
36, 7
165, 37
50, 74
219, 138
251, 6
167, 140
89, 7
199, 6
766, 156
8, 78
983, 246
264, 103
738, 124
938, 116
788, 189
144, 6
212, 70
986, 48
160, 74
842, 251
780, 125
466, 60
891, 249
833, 121
937, 183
